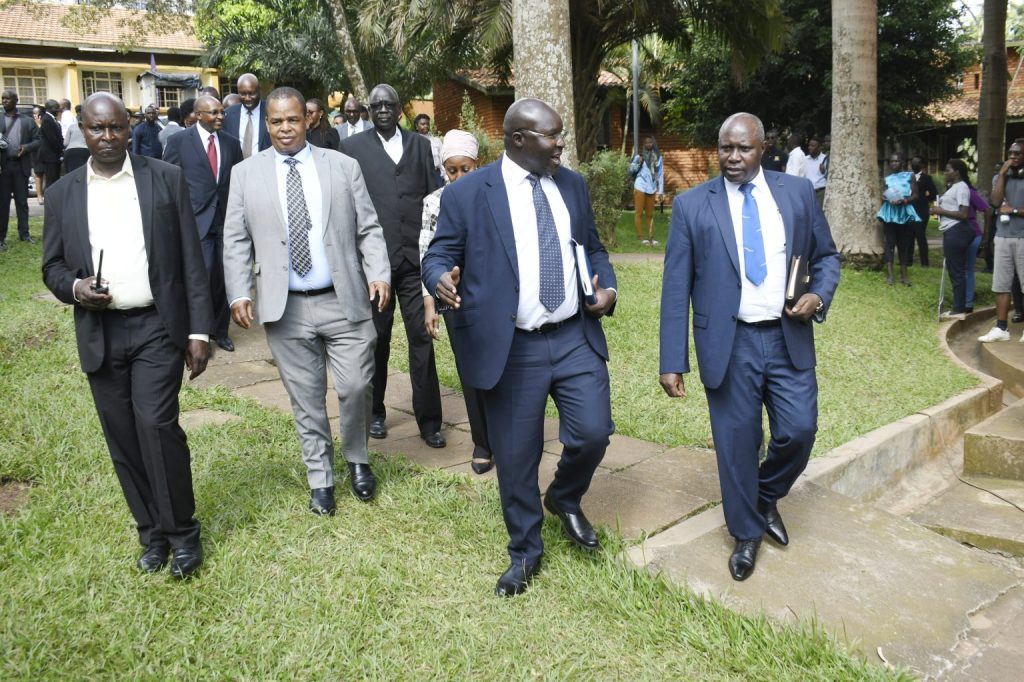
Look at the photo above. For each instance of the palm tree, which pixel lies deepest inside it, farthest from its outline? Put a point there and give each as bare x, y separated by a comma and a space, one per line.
992, 100
853, 183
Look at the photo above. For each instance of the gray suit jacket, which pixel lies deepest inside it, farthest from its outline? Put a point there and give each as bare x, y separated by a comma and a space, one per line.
343, 128
255, 224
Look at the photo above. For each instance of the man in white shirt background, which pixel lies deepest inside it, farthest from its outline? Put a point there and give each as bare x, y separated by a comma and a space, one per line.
248, 121
814, 168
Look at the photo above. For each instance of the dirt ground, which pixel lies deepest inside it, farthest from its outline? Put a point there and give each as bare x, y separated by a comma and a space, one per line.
12, 496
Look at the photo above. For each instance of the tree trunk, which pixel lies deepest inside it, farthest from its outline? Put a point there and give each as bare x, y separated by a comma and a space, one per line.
542, 63
853, 195
587, 57
992, 104
348, 52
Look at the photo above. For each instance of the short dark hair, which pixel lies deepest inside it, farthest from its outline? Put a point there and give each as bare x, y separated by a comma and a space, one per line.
187, 107
286, 92
174, 114
419, 117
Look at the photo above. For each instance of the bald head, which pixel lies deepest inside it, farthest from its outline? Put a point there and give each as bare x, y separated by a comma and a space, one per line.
533, 136
351, 110
525, 113
385, 108
249, 90
209, 113
740, 146
103, 101
107, 132
744, 119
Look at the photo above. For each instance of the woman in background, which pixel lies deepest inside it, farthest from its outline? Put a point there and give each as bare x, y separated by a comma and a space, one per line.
75, 151
319, 132
459, 153
898, 217
648, 168
952, 208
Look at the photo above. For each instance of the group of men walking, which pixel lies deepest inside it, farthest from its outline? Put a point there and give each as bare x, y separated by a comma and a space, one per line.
329, 242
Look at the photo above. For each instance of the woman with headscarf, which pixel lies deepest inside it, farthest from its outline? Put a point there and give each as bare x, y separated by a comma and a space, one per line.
319, 132
898, 216
649, 170
459, 152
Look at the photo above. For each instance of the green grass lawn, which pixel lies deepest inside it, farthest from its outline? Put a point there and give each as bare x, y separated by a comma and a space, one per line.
401, 588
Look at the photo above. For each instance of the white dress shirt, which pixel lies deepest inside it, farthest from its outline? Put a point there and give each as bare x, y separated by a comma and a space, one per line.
812, 170
204, 137
243, 117
762, 302
532, 313
393, 146
67, 120
115, 227
319, 276
796, 164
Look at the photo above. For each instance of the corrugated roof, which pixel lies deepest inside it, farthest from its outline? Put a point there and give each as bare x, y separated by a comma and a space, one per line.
44, 24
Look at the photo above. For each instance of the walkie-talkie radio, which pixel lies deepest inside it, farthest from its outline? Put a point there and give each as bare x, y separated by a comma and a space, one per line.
97, 286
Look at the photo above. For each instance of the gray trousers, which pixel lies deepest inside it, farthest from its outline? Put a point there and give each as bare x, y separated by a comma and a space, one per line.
311, 334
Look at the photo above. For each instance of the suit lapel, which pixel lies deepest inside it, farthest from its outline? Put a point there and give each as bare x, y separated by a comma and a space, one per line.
719, 201
144, 187
80, 209
197, 148
323, 172
782, 200
267, 169
497, 201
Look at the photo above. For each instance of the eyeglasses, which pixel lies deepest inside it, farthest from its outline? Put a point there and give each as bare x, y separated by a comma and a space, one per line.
377, 106
560, 136
216, 113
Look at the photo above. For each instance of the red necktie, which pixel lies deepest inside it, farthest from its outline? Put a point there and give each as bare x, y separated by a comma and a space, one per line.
211, 154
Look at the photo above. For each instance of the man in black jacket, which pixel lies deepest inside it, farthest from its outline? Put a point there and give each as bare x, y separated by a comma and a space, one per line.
399, 170
926, 193
51, 142
20, 137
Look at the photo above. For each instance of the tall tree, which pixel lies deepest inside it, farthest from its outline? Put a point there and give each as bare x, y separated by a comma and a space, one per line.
853, 184
349, 59
541, 59
992, 102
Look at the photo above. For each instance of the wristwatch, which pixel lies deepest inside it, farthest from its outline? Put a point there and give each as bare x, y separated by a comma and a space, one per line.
821, 306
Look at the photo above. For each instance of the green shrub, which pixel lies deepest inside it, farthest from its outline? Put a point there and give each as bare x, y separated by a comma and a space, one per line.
607, 175
490, 148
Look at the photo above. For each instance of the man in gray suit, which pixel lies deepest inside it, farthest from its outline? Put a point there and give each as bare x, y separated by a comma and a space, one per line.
299, 218
352, 124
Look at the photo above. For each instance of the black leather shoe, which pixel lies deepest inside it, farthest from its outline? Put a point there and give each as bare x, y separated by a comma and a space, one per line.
225, 343
1017, 317
185, 561
516, 578
154, 558
775, 529
321, 501
377, 428
364, 483
575, 525
434, 440
481, 466
743, 559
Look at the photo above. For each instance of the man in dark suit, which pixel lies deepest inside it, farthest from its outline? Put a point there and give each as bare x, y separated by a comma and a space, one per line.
146, 135
926, 193
729, 250
522, 328
248, 121
399, 170
151, 315
19, 137
207, 154
353, 123
51, 142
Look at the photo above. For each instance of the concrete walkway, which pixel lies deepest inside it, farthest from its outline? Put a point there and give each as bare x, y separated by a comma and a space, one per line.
883, 583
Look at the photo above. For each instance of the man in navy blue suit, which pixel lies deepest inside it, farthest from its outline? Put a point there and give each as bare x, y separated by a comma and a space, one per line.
522, 329
207, 154
247, 122
730, 248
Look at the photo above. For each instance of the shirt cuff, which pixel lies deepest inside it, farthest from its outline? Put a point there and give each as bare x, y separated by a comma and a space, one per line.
74, 287
614, 291
240, 298
205, 338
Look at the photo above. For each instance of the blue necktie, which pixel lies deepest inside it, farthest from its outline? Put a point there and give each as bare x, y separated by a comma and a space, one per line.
552, 275
299, 223
753, 243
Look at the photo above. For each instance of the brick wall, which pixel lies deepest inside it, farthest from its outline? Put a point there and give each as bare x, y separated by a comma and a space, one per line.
490, 109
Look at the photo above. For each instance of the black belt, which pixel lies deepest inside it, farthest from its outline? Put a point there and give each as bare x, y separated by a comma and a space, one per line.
763, 323
312, 292
544, 328
132, 312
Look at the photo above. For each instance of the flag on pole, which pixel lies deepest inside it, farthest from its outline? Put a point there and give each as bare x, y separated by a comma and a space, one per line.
152, 62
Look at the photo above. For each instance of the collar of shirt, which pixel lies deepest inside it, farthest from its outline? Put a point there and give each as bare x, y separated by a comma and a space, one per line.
393, 147
512, 172
303, 156
91, 175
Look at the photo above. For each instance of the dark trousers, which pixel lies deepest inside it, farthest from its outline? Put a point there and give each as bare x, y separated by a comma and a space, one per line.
921, 238
213, 256
13, 183
901, 237
475, 411
426, 392
563, 365
760, 374
956, 242
136, 396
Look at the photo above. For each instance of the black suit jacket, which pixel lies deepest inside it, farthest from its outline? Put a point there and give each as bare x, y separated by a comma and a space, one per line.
232, 116
51, 141
209, 195
926, 194
29, 138
396, 191
176, 272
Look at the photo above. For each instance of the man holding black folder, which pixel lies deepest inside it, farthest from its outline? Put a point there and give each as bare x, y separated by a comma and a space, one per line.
522, 327
753, 253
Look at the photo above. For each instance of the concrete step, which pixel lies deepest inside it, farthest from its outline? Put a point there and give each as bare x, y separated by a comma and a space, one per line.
995, 447
1003, 359
980, 513
886, 585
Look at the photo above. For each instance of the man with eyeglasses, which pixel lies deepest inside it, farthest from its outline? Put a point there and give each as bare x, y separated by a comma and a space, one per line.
207, 154
353, 123
504, 257
399, 170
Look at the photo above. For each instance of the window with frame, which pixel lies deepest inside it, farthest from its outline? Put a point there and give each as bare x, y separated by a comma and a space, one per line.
102, 81
30, 84
167, 96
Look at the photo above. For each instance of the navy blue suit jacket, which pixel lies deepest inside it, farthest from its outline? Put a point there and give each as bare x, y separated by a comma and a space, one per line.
209, 196
474, 231
702, 266
232, 116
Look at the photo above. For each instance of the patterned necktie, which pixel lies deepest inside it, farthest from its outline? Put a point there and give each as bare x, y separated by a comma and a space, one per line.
753, 242
247, 136
552, 275
299, 223
211, 154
